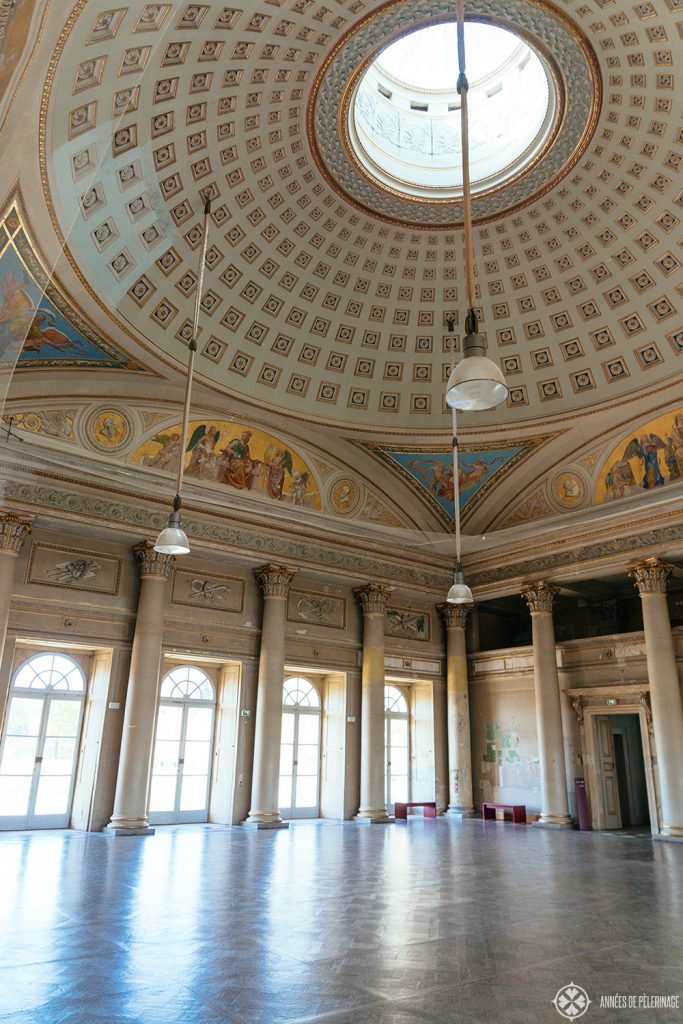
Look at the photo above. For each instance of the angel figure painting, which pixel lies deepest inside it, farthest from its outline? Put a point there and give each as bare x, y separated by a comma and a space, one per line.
235, 456
648, 458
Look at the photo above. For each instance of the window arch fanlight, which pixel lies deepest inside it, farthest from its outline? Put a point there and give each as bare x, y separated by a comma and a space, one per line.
50, 672
187, 682
394, 700
300, 692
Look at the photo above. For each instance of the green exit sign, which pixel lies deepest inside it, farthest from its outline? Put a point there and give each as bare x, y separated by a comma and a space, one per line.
611, 700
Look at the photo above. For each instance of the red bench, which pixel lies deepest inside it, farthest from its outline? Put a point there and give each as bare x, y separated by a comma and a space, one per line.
401, 810
518, 812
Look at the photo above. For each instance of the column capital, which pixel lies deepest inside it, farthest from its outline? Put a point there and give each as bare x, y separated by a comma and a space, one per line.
454, 615
650, 575
151, 562
539, 596
373, 597
275, 580
14, 529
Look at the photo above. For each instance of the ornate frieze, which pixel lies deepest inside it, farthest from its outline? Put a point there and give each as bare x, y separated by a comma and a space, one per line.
14, 529
275, 580
151, 562
454, 615
539, 596
650, 575
373, 598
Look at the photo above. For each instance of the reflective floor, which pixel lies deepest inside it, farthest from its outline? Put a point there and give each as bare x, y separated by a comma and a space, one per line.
427, 921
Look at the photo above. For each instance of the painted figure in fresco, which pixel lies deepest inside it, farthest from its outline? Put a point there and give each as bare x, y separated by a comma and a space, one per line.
472, 475
236, 466
16, 308
670, 459
299, 487
647, 448
169, 452
276, 461
677, 441
437, 475
618, 478
202, 444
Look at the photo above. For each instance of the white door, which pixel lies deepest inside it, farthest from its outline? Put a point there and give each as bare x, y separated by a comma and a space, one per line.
396, 747
183, 748
299, 793
608, 773
40, 740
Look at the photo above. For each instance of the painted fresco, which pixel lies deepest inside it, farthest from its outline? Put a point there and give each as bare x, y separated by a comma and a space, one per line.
431, 471
648, 457
236, 456
38, 326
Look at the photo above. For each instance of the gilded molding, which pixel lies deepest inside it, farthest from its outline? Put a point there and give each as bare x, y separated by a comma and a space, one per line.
650, 575
373, 598
454, 615
275, 580
151, 562
539, 596
14, 529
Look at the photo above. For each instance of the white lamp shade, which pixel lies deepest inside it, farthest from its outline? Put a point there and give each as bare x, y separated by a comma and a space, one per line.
460, 593
475, 384
172, 541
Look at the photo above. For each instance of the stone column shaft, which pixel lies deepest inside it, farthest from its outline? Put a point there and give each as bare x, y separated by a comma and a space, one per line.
14, 529
131, 801
373, 599
460, 797
264, 813
554, 805
665, 694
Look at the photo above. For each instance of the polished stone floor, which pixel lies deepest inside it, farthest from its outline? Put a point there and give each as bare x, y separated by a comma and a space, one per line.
427, 921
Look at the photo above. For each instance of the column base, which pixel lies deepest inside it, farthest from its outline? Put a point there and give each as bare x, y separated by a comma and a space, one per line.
460, 811
362, 819
553, 821
264, 824
265, 819
118, 831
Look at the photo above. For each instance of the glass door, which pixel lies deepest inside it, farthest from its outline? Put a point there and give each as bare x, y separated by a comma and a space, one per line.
396, 747
183, 748
299, 795
39, 748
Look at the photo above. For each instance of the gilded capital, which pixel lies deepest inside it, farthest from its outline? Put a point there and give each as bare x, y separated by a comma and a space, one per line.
14, 529
151, 562
539, 596
650, 575
454, 615
274, 580
373, 598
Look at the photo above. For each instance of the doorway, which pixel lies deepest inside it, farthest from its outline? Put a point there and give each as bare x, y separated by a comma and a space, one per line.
299, 790
183, 748
40, 741
396, 747
621, 770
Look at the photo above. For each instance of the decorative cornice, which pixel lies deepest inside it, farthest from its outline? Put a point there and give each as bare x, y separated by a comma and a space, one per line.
454, 615
14, 529
151, 562
274, 580
650, 575
373, 597
539, 596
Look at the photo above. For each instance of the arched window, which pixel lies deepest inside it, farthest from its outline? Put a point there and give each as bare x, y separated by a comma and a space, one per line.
50, 672
186, 682
298, 692
394, 701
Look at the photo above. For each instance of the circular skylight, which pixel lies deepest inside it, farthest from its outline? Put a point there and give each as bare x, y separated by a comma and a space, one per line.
404, 122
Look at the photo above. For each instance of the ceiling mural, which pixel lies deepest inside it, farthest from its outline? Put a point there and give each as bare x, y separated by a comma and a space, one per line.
429, 470
650, 456
323, 310
234, 455
39, 326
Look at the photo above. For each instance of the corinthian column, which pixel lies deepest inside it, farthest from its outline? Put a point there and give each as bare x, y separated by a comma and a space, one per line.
650, 577
373, 600
14, 529
457, 696
554, 807
274, 581
130, 817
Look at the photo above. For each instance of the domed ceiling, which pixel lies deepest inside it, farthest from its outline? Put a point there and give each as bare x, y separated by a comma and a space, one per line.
327, 296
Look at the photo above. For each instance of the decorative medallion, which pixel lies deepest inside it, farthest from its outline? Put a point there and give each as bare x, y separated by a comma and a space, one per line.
568, 490
108, 429
344, 496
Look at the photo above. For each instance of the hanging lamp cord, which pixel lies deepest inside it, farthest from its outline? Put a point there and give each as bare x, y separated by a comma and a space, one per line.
463, 88
456, 492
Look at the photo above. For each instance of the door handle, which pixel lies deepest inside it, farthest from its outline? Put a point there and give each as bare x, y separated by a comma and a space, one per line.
39, 760
181, 760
